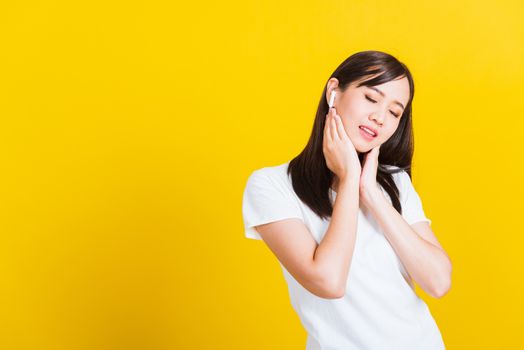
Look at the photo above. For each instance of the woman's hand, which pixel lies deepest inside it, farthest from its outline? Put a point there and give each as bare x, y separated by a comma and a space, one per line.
369, 187
340, 153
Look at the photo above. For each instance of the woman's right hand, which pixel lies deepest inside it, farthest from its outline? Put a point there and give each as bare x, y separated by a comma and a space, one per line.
339, 151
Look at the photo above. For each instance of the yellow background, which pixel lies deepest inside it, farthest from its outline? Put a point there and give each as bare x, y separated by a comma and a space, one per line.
129, 130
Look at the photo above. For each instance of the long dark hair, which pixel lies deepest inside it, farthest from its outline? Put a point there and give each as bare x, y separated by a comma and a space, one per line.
310, 175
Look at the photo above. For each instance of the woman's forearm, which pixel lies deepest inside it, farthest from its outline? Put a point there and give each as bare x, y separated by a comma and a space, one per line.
427, 264
334, 253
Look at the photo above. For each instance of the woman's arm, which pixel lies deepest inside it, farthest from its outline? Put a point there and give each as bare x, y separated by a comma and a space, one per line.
417, 247
335, 252
320, 268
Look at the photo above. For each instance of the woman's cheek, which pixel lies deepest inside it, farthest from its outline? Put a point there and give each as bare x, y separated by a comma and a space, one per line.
384, 138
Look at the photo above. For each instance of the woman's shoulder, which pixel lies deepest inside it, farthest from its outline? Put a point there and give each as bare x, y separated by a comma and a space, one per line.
391, 167
398, 174
271, 177
275, 172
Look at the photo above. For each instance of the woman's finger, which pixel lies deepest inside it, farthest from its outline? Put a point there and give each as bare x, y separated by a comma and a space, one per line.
333, 127
340, 128
333, 113
327, 129
324, 137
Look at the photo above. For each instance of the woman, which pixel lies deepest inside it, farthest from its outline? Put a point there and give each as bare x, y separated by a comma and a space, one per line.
345, 222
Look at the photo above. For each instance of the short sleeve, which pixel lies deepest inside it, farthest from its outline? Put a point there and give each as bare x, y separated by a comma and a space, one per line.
412, 209
266, 200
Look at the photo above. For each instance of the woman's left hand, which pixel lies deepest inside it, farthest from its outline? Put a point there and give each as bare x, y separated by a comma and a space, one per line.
368, 186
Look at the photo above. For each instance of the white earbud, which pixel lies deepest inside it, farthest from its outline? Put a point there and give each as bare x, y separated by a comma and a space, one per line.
332, 98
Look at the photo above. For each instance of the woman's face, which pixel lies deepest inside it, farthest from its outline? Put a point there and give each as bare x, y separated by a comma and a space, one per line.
378, 107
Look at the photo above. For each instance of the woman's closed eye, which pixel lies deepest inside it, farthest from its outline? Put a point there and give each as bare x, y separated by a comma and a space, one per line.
372, 100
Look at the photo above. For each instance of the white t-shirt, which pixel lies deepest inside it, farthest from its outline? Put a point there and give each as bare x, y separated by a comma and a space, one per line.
380, 310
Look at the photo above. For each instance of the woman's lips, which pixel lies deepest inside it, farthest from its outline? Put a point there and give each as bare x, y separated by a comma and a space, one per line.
365, 135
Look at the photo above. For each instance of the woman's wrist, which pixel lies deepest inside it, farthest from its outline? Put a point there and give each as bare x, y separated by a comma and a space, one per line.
349, 182
374, 197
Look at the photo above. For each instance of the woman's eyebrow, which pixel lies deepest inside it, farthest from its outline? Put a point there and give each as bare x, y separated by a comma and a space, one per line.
383, 95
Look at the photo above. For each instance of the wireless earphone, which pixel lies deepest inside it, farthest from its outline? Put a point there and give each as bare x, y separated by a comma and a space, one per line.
332, 98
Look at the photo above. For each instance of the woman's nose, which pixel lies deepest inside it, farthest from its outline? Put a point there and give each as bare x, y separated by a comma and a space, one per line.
378, 118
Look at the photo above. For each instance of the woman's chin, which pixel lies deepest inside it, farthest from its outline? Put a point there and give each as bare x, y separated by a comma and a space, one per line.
362, 146
361, 150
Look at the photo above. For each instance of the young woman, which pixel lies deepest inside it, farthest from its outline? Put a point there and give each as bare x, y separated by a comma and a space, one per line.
345, 222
